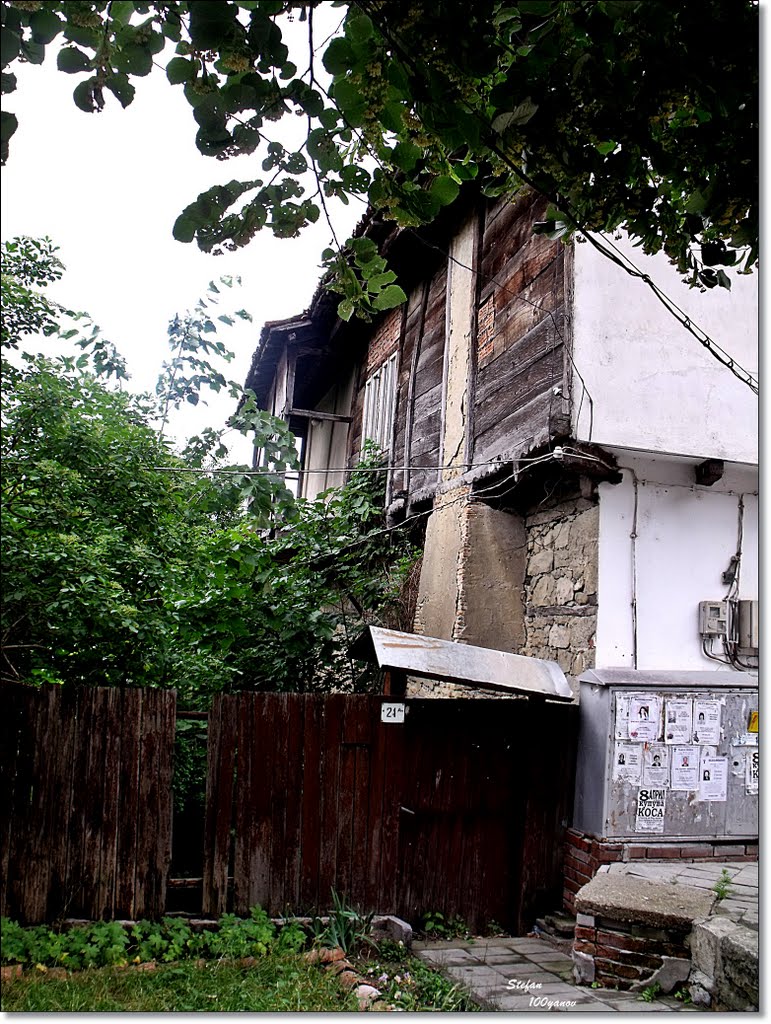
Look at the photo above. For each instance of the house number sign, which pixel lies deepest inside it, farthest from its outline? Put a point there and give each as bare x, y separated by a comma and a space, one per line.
392, 713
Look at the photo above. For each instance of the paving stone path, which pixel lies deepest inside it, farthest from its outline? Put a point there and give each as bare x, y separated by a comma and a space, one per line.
527, 974
531, 974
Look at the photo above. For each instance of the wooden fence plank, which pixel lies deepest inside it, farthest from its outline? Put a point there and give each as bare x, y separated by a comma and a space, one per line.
90, 792
277, 849
297, 706
126, 859
58, 895
313, 780
104, 896
221, 768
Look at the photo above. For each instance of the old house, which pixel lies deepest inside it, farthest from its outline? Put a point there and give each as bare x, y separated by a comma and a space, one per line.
589, 467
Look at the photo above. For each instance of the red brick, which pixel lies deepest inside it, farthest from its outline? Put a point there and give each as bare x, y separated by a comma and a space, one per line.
627, 971
606, 856
636, 852
646, 961
585, 858
729, 851
586, 933
695, 851
578, 841
581, 946
752, 850
572, 886
663, 852
621, 941
615, 970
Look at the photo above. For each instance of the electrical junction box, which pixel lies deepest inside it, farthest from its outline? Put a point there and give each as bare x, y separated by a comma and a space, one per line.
713, 618
749, 633
667, 755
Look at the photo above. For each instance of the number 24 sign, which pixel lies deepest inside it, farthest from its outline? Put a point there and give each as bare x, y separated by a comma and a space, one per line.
392, 713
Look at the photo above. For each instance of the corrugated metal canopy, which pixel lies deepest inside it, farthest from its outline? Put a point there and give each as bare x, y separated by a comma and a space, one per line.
430, 658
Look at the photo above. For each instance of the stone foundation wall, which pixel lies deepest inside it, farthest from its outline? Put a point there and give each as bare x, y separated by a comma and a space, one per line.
585, 854
560, 585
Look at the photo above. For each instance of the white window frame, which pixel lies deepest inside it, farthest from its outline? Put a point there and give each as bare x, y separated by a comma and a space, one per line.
379, 404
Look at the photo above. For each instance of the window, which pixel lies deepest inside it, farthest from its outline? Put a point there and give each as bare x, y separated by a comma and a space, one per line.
379, 401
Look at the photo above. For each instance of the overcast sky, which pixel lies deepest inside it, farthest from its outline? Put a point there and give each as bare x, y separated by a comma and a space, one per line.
107, 189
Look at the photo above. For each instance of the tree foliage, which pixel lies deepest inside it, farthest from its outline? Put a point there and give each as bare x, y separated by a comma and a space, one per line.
640, 115
125, 562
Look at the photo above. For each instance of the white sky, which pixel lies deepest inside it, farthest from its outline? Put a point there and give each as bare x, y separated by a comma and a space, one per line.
107, 189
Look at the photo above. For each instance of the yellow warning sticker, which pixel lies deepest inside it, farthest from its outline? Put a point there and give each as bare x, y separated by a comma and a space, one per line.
753, 726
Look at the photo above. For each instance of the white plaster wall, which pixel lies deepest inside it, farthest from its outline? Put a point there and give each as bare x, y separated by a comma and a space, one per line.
327, 442
652, 385
686, 536
461, 291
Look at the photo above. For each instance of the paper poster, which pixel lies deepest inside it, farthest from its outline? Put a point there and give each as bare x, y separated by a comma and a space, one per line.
752, 726
678, 720
644, 718
627, 762
685, 768
706, 721
622, 716
713, 778
656, 765
650, 810
753, 775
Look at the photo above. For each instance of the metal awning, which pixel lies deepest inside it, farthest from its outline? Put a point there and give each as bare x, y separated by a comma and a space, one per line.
646, 679
430, 658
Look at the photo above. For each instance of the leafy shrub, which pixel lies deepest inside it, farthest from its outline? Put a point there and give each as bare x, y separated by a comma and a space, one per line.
106, 944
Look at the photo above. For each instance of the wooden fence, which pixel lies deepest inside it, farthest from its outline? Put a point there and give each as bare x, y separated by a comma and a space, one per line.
460, 809
86, 791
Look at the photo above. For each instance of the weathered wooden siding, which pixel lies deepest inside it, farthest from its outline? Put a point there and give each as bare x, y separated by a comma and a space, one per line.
417, 417
461, 809
522, 362
86, 792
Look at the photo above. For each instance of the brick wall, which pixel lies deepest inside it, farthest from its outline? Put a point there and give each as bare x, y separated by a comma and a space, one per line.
384, 341
584, 855
486, 330
615, 954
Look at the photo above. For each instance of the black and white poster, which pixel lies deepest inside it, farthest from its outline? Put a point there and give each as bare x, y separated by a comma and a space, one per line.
651, 806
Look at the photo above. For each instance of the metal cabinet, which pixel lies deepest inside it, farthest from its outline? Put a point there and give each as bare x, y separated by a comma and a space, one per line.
667, 755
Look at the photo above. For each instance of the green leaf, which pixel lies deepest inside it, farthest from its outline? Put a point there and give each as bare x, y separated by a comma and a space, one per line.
133, 59
345, 309
121, 89
45, 25
10, 45
390, 297
71, 60
405, 155
184, 229
121, 11
359, 28
83, 94
338, 57
445, 190
8, 125
605, 147
180, 69
519, 115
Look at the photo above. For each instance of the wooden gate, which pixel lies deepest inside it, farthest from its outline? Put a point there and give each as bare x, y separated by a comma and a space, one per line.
86, 790
460, 809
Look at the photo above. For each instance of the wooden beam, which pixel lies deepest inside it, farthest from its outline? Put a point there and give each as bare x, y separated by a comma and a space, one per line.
314, 414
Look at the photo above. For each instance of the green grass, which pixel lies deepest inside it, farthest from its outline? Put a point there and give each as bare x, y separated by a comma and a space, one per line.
276, 983
408, 983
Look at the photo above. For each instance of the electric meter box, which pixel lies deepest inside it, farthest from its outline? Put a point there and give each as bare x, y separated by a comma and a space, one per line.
667, 755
